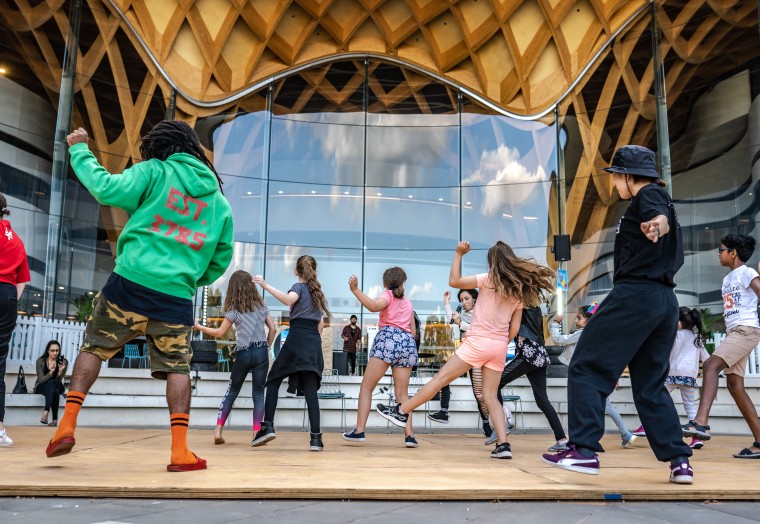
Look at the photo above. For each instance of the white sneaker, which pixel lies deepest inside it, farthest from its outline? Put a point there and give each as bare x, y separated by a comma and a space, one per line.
5, 440
508, 416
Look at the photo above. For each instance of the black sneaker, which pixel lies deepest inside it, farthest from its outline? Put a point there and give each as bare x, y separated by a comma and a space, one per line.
410, 441
441, 417
392, 414
487, 429
264, 435
316, 442
353, 436
502, 451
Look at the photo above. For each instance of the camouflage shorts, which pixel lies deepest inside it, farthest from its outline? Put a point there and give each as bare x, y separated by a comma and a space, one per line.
110, 327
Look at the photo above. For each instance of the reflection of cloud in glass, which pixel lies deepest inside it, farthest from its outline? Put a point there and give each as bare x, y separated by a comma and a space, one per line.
374, 291
507, 180
421, 290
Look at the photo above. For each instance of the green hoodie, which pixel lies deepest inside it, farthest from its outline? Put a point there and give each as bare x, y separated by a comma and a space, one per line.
179, 236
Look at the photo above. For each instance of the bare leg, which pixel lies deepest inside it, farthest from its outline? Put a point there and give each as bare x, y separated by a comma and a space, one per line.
744, 403
401, 389
491, 379
375, 370
177, 392
454, 368
218, 438
85, 373
710, 371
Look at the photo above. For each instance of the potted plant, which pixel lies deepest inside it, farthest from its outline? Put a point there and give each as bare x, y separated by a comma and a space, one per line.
83, 305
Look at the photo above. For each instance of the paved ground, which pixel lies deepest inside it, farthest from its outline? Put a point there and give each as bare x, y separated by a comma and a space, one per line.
145, 511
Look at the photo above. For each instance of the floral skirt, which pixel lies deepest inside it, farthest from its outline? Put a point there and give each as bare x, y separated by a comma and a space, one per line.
395, 347
678, 380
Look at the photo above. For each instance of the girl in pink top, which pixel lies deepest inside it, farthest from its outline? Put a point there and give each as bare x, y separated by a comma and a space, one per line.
393, 346
511, 281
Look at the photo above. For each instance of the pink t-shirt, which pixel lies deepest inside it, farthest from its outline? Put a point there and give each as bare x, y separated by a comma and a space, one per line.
491, 318
398, 313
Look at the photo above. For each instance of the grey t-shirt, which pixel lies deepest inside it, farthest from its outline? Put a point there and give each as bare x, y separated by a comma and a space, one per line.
304, 306
249, 326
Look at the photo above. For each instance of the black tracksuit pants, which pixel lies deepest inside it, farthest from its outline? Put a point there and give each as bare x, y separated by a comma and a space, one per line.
634, 326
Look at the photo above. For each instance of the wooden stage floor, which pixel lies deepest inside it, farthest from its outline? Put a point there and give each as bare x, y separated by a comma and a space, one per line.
131, 463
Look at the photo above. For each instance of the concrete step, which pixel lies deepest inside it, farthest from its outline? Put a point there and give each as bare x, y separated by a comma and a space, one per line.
130, 397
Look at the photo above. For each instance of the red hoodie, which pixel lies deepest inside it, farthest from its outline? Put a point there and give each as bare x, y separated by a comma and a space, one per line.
14, 268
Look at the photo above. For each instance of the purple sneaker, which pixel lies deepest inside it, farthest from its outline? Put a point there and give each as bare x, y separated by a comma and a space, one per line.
681, 473
572, 460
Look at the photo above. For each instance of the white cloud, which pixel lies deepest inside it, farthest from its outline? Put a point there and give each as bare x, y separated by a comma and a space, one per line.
374, 291
499, 167
418, 290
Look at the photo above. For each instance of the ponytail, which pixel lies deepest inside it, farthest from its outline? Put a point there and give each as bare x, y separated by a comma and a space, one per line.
691, 319
306, 268
393, 279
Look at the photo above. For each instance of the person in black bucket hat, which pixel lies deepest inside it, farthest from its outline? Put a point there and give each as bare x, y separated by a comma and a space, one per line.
634, 326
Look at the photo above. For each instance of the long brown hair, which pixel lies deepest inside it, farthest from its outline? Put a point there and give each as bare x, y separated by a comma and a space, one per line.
393, 279
306, 269
517, 277
242, 294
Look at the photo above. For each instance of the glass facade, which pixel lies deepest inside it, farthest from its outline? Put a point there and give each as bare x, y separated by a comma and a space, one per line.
393, 171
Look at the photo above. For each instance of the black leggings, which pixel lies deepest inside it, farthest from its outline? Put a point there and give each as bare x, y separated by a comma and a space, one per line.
518, 367
52, 396
254, 359
310, 382
351, 357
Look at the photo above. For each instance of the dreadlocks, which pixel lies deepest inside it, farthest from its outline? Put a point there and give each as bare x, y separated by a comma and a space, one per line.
174, 136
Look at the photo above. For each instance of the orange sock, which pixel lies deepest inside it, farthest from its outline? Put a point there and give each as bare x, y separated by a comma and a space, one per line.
68, 423
180, 453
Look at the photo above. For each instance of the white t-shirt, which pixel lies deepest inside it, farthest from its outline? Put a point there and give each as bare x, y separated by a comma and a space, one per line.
739, 301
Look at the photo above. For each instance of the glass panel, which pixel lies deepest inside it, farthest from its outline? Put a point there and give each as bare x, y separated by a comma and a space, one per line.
326, 149
314, 215
245, 198
507, 167
412, 218
517, 214
403, 153
334, 266
238, 143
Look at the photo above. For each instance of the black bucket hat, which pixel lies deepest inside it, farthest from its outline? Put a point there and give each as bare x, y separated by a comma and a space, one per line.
634, 160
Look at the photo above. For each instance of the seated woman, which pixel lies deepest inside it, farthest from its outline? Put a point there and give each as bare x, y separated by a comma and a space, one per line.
51, 368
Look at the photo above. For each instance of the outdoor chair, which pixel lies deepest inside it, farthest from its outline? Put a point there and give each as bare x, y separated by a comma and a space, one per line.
132, 352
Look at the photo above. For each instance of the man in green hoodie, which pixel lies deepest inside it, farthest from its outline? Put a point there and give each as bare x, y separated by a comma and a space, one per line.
178, 237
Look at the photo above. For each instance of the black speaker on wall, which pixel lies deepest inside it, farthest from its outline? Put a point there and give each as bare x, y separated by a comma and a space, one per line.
561, 248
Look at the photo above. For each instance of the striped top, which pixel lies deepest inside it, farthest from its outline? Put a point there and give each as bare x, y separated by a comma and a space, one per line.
249, 326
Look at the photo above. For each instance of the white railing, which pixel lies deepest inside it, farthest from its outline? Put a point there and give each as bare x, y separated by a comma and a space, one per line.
753, 364
33, 333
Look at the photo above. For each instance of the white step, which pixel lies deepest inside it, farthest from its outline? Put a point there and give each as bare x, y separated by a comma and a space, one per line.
130, 397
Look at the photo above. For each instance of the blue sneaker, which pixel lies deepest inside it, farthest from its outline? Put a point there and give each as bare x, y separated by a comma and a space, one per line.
353, 436
410, 442
392, 414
